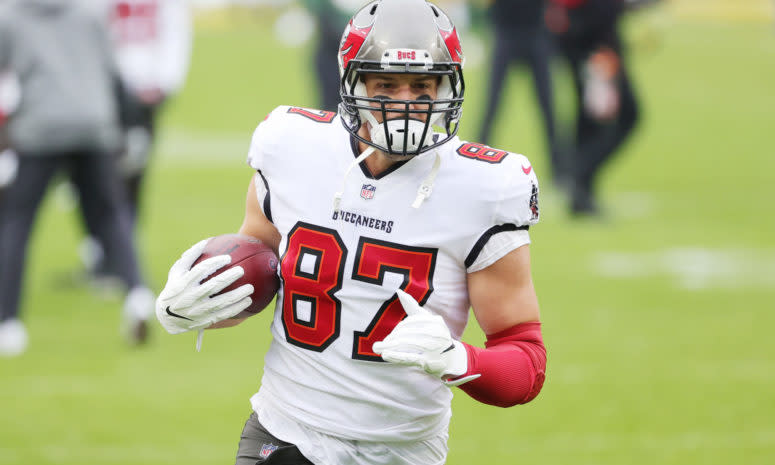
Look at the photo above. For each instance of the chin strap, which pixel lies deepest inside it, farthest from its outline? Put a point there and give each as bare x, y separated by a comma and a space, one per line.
426, 188
423, 192
360, 158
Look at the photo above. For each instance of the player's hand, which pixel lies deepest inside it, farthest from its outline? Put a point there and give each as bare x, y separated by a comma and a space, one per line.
151, 95
9, 166
186, 303
422, 339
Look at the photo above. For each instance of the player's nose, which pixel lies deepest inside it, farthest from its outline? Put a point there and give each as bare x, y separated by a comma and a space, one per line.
407, 92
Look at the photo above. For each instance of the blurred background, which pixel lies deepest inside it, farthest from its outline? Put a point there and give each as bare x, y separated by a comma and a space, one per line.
658, 310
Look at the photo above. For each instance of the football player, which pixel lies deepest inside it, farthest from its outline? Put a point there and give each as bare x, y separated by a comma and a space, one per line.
587, 35
152, 42
48, 46
388, 232
521, 38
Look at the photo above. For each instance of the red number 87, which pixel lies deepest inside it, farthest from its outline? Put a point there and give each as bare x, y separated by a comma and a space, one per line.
312, 269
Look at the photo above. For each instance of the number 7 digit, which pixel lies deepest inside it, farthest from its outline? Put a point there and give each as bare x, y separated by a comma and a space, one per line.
376, 257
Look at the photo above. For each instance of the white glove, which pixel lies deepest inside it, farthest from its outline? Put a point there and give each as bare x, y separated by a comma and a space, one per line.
186, 303
422, 339
9, 166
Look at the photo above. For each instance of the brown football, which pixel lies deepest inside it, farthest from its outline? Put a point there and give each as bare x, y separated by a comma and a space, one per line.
256, 258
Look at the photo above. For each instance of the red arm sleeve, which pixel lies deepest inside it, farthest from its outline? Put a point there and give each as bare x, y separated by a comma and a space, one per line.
512, 366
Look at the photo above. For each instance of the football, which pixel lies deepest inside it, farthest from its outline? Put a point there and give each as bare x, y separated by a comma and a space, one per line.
256, 258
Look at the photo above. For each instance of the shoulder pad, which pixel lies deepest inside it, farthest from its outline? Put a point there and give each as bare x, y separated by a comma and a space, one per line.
519, 204
514, 182
283, 123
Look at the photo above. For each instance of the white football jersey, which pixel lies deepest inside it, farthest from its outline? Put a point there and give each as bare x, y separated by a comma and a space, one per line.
152, 40
10, 92
340, 268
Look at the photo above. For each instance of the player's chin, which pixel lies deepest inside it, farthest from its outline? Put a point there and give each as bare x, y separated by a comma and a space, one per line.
394, 157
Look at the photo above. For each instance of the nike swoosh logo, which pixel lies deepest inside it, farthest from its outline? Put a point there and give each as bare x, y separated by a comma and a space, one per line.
175, 314
527, 170
451, 346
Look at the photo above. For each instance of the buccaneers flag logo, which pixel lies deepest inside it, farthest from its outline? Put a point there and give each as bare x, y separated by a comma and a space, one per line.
352, 41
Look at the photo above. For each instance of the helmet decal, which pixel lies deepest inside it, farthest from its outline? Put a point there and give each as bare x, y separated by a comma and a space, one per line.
452, 41
352, 41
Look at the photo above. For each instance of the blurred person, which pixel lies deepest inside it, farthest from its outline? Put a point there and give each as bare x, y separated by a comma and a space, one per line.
152, 41
66, 120
9, 99
406, 228
607, 110
521, 37
330, 17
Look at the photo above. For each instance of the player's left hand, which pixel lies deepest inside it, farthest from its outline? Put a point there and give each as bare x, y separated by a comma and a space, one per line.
422, 339
189, 302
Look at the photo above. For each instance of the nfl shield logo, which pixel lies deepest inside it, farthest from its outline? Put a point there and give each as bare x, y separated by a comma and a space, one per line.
267, 449
367, 191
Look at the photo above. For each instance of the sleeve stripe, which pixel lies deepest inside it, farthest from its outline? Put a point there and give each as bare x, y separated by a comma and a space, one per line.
267, 205
480, 243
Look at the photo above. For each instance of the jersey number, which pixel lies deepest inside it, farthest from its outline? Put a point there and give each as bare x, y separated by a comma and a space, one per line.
481, 152
315, 115
313, 270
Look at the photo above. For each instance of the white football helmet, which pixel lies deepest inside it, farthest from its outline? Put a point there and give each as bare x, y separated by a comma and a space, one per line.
407, 37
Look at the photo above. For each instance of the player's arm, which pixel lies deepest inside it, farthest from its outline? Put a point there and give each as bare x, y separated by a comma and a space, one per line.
254, 224
510, 369
512, 365
502, 295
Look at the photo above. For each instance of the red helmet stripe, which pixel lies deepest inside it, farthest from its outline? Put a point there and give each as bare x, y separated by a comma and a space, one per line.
452, 41
352, 44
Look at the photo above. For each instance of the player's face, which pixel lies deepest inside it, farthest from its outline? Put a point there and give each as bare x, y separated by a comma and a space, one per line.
402, 87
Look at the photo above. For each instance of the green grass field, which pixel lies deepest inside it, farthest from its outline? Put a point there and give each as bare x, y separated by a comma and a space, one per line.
658, 320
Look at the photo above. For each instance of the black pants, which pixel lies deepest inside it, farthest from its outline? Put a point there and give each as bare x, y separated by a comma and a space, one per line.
258, 446
596, 142
146, 118
141, 115
534, 48
101, 197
